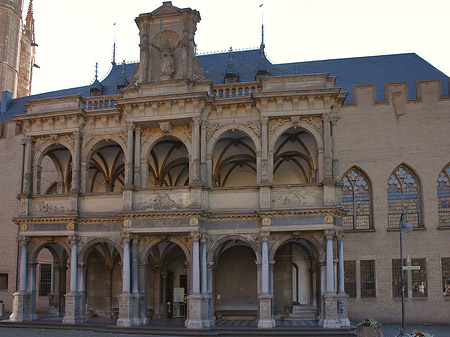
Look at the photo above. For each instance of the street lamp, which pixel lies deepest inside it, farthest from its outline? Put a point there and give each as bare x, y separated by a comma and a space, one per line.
406, 226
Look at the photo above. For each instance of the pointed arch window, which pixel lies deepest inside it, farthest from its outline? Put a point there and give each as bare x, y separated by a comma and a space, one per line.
443, 194
356, 198
403, 192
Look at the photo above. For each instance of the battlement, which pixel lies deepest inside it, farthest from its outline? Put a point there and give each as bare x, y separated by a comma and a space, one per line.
399, 93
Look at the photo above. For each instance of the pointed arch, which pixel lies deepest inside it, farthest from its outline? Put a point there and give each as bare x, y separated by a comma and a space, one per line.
403, 196
443, 195
357, 199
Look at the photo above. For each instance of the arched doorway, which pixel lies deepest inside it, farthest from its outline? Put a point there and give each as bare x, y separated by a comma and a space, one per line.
167, 283
235, 287
103, 280
295, 281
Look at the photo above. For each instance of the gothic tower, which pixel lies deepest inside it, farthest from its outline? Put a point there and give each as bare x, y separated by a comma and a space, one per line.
16, 48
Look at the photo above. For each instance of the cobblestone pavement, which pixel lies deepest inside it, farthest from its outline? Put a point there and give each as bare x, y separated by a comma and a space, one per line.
392, 330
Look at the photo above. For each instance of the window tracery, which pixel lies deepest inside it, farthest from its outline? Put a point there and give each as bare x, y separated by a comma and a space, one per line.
443, 194
403, 193
356, 198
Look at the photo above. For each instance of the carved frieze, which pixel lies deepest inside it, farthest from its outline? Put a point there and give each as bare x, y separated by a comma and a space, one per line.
163, 201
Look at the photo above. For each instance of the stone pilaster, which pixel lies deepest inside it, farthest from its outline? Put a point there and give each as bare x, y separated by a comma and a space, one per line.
265, 318
126, 298
73, 298
21, 302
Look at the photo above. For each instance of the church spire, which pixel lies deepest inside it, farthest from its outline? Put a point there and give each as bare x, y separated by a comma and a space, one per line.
29, 23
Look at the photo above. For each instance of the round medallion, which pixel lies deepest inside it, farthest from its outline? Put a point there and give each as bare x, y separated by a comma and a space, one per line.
266, 221
328, 219
127, 223
70, 226
23, 227
193, 222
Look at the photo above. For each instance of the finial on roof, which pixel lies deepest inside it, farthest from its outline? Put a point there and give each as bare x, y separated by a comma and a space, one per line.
113, 62
29, 24
262, 46
96, 71
230, 67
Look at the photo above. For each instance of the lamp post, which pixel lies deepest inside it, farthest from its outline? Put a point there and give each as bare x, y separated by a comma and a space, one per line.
406, 226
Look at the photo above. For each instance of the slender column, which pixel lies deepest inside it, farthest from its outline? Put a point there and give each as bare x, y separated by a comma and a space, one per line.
126, 271
265, 264
204, 176
76, 163
196, 174
73, 263
37, 180
72, 298
335, 163
135, 264
130, 152
195, 263
82, 289
32, 289
204, 274
164, 294
264, 154
23, 241
27, 187
137, 157
340, 247
329, 234
327, 146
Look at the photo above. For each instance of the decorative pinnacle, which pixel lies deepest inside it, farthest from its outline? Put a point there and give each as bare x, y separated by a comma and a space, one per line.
96, 70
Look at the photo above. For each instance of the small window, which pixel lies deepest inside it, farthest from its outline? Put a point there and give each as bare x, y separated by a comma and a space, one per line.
446, 276
368, 278
45, 280
397, 278
3, 281
350, 278
419, 278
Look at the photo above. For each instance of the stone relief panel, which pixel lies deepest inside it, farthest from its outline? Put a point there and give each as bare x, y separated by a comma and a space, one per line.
306, 197
163, 201
46, 207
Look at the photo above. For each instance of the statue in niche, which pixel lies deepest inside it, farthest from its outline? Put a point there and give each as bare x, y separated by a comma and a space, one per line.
184, 52
144, 46
167, 65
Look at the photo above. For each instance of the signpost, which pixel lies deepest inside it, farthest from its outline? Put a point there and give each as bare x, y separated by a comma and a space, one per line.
411, 268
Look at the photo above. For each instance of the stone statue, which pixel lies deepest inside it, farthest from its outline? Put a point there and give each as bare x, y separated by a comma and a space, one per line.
167, 65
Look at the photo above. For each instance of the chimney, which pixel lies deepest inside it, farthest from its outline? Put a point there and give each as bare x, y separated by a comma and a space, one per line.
5, 102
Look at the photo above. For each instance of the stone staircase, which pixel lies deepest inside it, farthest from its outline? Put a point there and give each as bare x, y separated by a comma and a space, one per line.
302, 312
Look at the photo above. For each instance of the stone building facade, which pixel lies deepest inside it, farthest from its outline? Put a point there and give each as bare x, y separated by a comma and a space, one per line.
225, 187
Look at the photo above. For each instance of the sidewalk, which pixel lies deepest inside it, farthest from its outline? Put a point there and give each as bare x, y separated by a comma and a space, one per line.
392, 330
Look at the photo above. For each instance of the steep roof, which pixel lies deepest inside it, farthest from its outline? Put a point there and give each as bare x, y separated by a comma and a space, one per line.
377, 70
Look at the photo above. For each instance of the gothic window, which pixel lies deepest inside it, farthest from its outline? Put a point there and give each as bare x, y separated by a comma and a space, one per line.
419, 278
45, 279
445, 262
443, 193
403, 195
350, 278
397, 278
367, 274
356, 198
293, 161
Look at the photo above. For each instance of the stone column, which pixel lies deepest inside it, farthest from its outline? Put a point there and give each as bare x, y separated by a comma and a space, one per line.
125, 299
76, 164
164, 294
137, 297
32, 289
342, 301
327, 147
143, 283
72, 314
264, 173
211, 282
265, 319
196, 174
37, 180
82, 289
137, 157
335, 163
203, 164
28, 177
129, 157
330, 319
204, 282
21, 302
197, 303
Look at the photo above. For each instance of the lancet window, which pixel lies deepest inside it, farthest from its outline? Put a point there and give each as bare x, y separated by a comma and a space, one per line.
403, 197
443, 194
356, 198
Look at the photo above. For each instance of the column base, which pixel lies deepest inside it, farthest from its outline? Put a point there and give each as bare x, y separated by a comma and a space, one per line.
330, 316
72, 315
21, 307
342, 309
125, 310
198, 312
138, 318
265, 320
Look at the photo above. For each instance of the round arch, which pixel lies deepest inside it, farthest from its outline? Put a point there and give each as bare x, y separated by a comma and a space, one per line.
145, 253
42, 149
215, 247
89, 246
94, 142
317, 249
211, 143
156, 137
43, 243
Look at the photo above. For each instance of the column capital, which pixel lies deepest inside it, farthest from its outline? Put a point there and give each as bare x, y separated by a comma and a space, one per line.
327, 117
340, 234
329, 234
136, 238
265, 235
22, 239
126, 237
264, 119
195, 236
130, 126
73, 239
78, 134
196, 120
334, 119
28, 139
204, 237
138, 128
